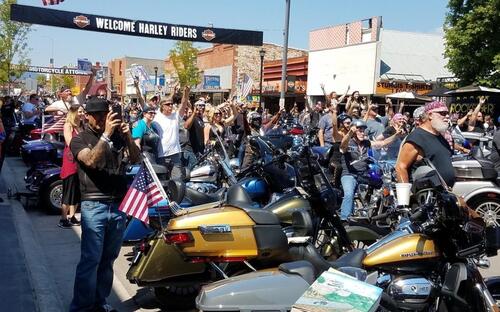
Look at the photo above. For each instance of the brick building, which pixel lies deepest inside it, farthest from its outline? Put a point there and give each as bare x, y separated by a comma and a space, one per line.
226, 63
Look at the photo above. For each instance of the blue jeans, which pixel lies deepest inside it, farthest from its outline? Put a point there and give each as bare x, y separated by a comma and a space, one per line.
349, 186
102, 232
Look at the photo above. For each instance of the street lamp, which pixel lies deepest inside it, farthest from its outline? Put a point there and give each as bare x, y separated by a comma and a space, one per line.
156, 76
262, 53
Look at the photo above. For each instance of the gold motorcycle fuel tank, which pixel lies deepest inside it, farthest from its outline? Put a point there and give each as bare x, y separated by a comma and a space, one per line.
240, 241
403, 249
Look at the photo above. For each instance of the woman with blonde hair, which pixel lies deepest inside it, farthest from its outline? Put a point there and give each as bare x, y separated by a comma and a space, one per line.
218, 123
69, 170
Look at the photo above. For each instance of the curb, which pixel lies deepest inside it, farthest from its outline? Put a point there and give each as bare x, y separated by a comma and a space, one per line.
44, 287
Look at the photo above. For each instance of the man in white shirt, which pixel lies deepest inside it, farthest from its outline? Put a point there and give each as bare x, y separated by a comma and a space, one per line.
30, 109
66, 98
169, 149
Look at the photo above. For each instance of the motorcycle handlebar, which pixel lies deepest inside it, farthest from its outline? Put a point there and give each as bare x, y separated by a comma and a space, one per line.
417, 215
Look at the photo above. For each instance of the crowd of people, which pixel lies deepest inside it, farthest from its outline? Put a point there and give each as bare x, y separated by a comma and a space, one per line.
102, 135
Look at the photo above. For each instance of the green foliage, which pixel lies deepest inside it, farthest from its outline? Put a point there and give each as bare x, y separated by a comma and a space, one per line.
184, 58
13, 43
472, 33
63, 80
41, 80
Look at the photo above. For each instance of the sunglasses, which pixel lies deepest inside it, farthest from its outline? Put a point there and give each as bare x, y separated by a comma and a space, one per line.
201, 106
152, 113
218, 114
168, 104
442, 113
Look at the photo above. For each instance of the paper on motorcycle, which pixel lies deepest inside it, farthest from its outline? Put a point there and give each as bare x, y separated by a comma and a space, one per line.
336, 291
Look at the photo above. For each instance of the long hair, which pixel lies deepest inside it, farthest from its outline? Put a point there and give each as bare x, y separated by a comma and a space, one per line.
72, 117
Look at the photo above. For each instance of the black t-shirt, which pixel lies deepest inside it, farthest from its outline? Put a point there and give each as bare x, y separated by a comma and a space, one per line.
196, 135
437, 150
107, 182
355, 160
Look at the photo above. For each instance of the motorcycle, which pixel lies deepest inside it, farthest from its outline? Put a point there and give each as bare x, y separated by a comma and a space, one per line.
429, 263
477, 182
205, 243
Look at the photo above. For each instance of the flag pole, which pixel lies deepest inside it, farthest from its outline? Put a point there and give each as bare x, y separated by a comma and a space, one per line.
173, 205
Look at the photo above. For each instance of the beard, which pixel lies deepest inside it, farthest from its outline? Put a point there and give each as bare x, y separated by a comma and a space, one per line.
439, 125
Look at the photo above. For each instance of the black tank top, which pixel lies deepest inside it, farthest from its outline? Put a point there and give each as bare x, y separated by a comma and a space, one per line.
437, 150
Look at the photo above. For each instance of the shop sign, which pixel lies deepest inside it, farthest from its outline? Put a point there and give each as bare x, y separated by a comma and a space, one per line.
389, 87
211, 82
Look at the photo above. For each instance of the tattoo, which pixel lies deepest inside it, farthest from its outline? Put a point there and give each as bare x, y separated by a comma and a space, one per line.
92, 157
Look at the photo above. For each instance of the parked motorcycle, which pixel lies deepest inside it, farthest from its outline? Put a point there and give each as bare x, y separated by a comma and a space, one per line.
477, 182
429, 263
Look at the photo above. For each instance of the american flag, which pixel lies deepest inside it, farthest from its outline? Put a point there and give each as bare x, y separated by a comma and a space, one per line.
51, 2
246, 85
142, 194
56, 125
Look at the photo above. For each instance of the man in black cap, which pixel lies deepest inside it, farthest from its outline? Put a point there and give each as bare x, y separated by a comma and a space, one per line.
100, 151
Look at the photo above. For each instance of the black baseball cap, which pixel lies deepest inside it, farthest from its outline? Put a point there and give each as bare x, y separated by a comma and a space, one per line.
97, 105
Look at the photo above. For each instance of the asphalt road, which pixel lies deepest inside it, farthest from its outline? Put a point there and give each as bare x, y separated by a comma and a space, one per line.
60, 250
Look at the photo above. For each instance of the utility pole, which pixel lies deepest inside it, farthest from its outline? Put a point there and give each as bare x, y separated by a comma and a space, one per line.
285, 55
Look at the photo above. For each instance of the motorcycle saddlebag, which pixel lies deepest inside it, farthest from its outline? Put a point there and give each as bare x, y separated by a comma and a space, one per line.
38, 151
269, 290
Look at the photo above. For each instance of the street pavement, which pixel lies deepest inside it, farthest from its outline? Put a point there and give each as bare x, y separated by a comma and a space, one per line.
53, 254
38, 259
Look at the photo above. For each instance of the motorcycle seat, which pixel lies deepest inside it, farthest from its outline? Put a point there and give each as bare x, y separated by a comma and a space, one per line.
198, 198
238, 197
352, 259
302, 268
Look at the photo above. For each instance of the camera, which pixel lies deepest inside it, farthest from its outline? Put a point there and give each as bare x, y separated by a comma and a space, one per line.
117, 108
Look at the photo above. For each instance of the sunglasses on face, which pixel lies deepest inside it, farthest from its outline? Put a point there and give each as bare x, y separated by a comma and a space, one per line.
218, 114
442, 113
151, 113
168, 104
201, 106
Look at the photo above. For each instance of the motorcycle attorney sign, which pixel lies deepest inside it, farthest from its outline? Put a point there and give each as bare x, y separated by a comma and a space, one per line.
75, 20
52, 70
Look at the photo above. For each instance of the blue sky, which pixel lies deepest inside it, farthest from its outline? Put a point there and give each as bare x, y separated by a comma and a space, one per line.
66, 45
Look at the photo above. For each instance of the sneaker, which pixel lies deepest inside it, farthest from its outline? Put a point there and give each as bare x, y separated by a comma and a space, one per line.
105, 308
64, 224
74, 221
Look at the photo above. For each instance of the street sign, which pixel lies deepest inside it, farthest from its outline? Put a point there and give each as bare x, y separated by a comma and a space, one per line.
123, 26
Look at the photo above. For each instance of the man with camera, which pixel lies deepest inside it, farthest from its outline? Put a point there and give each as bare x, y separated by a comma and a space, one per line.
102, 151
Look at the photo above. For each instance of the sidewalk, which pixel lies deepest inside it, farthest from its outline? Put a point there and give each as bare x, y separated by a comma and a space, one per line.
50, 256
26, 284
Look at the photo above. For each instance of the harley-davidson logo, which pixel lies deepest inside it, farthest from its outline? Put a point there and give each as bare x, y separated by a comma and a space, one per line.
81, 21
208, 35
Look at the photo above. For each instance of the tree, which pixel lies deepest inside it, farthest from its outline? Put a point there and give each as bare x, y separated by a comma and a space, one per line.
472, 43
13, 43
41, 81
184, 57
63, 80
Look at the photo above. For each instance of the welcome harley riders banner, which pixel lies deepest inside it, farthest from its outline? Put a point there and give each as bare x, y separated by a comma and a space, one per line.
76, 20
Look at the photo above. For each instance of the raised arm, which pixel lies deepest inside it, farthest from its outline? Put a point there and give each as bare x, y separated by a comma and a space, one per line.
184, 101
473, 117
231, 118
83, 95
345, 140
345, 94
327, 98
92, 157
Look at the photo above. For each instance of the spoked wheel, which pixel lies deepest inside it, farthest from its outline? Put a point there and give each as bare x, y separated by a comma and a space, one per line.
488, 209
53, 197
